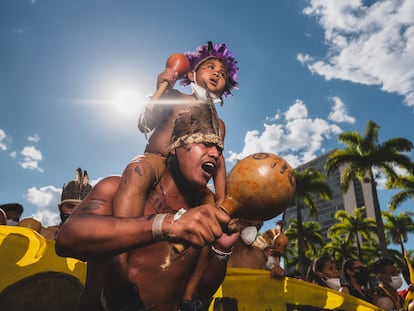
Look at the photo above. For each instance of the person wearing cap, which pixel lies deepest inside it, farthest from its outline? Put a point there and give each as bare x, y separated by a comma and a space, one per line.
178, 209
11, 212
73, 192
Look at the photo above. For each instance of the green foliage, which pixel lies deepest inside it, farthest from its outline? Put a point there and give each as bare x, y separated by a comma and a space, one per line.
406, 184
364, 153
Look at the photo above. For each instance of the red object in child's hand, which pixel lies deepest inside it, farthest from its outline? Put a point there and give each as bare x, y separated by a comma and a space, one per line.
179, 63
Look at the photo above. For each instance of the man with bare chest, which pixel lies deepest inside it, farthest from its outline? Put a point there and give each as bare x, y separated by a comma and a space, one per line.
179, 209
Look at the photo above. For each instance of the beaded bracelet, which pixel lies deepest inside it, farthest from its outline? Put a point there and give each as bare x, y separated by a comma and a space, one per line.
220, 255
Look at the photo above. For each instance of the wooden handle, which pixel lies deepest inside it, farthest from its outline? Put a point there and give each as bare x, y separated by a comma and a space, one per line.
160, 91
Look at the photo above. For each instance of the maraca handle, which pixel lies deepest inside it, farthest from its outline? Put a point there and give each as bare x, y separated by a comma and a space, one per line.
229, 204
160, 91
177, 62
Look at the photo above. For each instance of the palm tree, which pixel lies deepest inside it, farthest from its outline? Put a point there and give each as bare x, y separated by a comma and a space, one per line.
398, 227
352, 227
311, 233
309, 182
370, 251
340, 249
406, 184
311, 242
362, 154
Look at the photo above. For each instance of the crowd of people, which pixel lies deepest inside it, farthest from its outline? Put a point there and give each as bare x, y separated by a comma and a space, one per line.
128, 227
354, 279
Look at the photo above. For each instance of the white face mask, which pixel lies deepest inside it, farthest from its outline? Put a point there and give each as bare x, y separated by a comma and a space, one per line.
271, 261
201, 93
11, 222
396, 282
334, 283
248, 235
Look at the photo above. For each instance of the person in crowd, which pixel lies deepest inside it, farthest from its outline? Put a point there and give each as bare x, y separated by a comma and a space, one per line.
324, 272
73, 192
245, 253
356, 276
180, 208
12, 213
389, 281
277, 241
3, 217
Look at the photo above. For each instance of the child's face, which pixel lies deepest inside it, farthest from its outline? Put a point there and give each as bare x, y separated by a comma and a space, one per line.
212, 75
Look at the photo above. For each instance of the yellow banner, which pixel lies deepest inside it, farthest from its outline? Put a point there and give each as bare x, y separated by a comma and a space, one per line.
253, 289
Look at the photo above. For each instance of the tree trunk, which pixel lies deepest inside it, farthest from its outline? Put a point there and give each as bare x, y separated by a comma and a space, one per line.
301, 254
378, 219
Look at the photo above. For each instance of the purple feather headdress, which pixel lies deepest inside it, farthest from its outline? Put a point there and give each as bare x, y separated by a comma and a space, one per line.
219, 51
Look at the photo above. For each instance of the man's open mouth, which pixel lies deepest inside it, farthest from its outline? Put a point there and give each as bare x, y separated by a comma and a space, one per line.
209, 167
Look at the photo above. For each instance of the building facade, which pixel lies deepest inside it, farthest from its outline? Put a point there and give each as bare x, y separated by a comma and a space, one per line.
358, 195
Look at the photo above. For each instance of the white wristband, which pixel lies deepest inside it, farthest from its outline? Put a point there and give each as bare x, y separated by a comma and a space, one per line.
157, 226
220, 255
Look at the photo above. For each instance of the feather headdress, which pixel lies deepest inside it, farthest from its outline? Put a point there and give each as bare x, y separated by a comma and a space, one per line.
195, 125
219, 51
76, 190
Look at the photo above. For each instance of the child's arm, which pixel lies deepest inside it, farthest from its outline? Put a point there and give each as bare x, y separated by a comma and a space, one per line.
220, 181
220, 176
151, 116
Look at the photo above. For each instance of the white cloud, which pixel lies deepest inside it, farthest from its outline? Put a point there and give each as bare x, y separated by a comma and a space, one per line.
32, 157
3, 136
34, 138
46, 200
371, 45
339, 112
298, 140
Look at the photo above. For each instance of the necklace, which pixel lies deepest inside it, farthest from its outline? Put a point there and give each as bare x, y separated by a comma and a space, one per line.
159, 201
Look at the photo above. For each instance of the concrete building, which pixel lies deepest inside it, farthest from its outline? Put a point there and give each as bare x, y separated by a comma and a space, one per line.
358, 195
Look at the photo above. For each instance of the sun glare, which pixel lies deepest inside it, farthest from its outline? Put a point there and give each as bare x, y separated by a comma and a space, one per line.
127, 101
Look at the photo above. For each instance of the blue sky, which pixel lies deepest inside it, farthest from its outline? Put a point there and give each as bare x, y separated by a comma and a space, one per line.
308, 70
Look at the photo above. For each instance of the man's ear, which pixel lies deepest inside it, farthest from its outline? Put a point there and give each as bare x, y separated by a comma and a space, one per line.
172, 151
190, 76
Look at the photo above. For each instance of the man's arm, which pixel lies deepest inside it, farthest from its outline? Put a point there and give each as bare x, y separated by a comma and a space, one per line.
91, 231
220, 181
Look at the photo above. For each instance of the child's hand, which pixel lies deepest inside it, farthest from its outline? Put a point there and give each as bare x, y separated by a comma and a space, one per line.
169, 76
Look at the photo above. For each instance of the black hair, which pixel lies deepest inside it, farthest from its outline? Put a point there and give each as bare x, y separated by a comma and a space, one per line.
12, 207
316, 268
348, 264
379, 265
